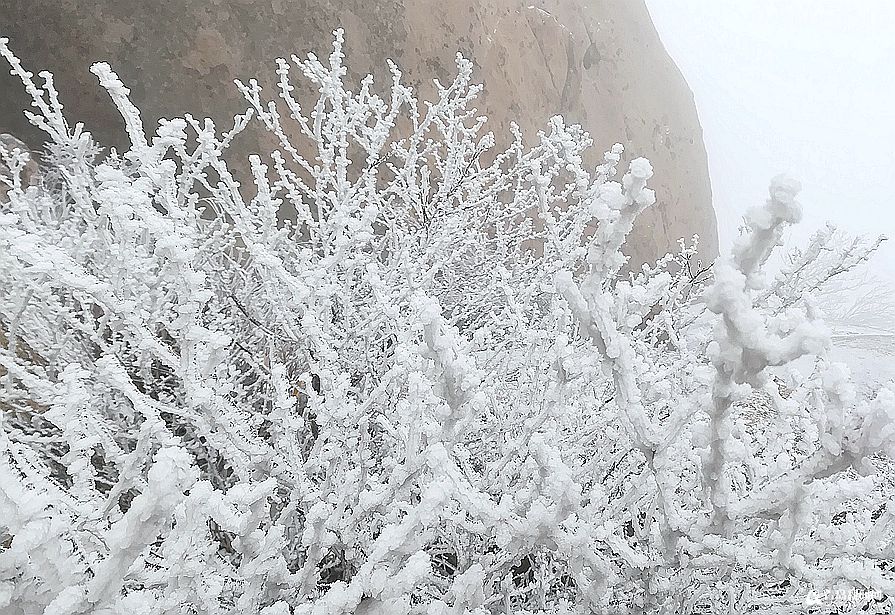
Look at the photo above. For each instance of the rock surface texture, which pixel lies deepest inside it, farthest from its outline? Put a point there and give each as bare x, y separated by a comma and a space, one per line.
598, 63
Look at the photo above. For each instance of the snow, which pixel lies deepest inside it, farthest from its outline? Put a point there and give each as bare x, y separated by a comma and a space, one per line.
869, 355
395, 404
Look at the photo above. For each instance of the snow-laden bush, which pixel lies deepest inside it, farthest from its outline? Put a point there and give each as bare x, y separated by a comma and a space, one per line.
431, 391
836, 268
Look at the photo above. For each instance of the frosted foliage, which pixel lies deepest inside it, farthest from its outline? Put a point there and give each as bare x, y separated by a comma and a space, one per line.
432, 389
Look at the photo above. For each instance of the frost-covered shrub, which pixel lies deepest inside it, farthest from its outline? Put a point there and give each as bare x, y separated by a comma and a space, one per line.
837, 269
432, 391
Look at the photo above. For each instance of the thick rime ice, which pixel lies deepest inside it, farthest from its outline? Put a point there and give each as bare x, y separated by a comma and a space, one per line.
432, 389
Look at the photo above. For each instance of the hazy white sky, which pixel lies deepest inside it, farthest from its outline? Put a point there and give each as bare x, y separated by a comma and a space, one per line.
805, 87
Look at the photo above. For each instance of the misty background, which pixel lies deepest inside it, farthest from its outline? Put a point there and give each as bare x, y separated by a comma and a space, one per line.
804, 88
801, 87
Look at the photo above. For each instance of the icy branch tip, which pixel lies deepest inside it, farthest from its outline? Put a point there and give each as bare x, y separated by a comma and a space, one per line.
641, 168
108, 78
784, 188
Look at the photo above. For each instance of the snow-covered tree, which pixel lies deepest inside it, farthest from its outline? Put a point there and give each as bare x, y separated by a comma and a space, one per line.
838, 269
431, 390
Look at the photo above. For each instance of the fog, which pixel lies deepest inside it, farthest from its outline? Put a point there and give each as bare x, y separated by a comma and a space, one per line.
801, 87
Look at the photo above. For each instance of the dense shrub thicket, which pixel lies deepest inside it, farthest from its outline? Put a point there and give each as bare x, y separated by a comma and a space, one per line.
433, 389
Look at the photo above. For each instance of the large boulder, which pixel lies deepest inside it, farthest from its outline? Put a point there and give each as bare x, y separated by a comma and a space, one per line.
599, 63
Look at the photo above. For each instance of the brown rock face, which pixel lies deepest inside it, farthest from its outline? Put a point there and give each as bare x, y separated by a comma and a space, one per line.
597, 62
